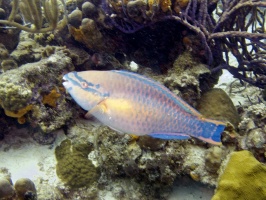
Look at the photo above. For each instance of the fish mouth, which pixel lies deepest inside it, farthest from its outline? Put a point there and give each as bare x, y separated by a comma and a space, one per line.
65, 81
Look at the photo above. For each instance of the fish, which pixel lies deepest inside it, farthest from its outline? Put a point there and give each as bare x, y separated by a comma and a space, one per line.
131, 103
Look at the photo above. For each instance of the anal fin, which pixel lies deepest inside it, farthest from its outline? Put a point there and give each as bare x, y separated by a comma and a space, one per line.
170, 136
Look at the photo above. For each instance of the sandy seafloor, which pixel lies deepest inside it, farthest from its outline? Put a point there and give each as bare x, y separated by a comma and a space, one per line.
25, 158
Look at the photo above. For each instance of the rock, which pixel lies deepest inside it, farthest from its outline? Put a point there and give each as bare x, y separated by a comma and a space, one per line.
216, 104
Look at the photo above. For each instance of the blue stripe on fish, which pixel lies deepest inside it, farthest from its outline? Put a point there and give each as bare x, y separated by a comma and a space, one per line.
161, 88
89, 89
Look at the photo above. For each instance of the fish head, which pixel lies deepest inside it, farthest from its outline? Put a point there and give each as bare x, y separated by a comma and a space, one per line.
85, 93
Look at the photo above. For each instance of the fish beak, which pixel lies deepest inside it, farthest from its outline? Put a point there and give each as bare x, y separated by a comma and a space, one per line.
65, 82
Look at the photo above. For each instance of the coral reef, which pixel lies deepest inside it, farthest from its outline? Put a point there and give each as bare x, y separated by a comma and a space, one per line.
148, 143
246, 182
21, 93
4, 125
27, 51
88, 34
120, 157
211, 23
213, 32
8, 37
49, 192
8, 64
6, 61
152, 163
179, 43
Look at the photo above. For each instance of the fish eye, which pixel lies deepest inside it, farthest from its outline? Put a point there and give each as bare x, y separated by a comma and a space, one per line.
84, 84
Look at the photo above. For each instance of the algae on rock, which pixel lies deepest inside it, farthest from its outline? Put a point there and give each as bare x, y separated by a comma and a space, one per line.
22, 91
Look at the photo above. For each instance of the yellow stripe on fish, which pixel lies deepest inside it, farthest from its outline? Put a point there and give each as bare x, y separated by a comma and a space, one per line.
131, 103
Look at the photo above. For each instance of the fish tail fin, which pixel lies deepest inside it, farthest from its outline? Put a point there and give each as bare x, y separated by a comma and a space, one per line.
211, 131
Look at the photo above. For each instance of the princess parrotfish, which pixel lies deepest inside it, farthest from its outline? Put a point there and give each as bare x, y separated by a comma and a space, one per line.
131, 103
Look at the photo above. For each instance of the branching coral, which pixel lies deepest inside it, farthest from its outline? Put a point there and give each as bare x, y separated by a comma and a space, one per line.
31, 11
231, 27
239, 30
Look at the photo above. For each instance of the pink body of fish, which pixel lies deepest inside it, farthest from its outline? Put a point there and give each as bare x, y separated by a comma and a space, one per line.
131, 103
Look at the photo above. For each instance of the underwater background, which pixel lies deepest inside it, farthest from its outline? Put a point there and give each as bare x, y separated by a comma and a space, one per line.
211, 53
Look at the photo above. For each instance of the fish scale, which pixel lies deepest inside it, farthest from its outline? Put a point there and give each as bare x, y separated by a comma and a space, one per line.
131, 103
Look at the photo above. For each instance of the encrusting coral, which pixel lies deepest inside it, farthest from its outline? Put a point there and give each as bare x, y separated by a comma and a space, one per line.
243, 178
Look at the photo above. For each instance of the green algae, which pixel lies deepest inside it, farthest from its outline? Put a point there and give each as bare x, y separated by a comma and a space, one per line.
73, 166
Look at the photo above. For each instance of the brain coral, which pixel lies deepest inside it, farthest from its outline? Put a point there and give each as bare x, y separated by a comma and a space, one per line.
244, 178
73, 166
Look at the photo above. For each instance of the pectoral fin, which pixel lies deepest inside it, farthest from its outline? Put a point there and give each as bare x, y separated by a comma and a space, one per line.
170, 136
97, 110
